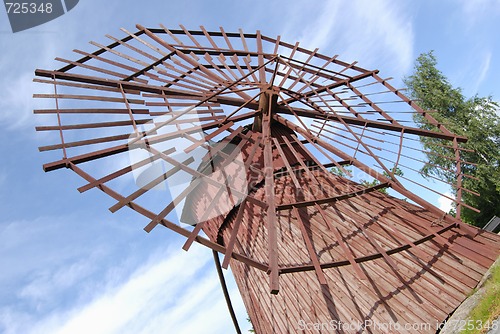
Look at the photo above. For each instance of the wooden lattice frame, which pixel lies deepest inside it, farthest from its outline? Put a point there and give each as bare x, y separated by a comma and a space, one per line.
233, 79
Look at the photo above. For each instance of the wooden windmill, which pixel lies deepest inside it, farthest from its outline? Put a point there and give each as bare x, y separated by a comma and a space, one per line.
252, 126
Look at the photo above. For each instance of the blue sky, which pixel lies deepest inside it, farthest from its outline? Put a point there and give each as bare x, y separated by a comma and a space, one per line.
68, 264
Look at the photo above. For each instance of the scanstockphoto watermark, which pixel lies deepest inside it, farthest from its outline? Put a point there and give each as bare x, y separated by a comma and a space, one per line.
28, 14
391, 327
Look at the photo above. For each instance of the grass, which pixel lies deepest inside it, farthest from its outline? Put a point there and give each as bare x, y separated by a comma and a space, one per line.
488, 309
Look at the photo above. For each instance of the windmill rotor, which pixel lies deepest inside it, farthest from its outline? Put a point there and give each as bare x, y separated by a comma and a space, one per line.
203, 132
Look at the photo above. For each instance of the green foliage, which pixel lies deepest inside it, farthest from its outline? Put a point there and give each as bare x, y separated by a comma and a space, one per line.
340, 172
476, 118
374, 182
251, 330
488, 309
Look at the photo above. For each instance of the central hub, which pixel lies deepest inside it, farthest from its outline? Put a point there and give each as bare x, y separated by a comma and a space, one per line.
268, 103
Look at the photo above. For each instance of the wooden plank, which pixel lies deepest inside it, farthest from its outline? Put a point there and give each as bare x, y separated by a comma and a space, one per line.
272, 221
310, 248
92, 111
86, 97
331, 199
123, 171
212, 205
287, 164
125, 201
86, 142
174, 227
357, 268
234, 233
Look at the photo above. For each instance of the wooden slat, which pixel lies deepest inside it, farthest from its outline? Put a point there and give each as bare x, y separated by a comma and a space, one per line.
86, 97
361, 274
92, 111
213, 204
90, 125
123, 171
310, 247
234, 233
86, 142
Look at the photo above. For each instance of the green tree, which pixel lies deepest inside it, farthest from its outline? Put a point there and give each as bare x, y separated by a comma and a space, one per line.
477, 118
340, 172
374, 182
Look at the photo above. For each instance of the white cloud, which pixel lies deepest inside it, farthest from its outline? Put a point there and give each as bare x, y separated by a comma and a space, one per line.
172, 289
377, 34
444, 203
483, 70
47, 283
17, 102
166, 293
474, 11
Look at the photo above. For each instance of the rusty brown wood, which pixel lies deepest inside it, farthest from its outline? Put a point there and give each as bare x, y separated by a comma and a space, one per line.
102, 50
332, 199
376, 175
171, 206
459, 180
340, 240
209, 60
316, 76
304, 168
229, 86
90, 125
316, 161
107, 61
237, 102
366, 258
85, 86
437, 192
124, 171
229, 68
220, 146
272, 221
197, 228
234, 234
365, 146
85, 142
413, 105
290, 68
422, 241
189, 60
149, 45
125, 201
94, 68
341, 141
59, 122
302, 68
293, 112
333, 85
277, 145
199, 175
125, 147
125, 56
310, 247
262, 71
91, 111
208, 137
183, 79
147, 68
86, 97
242, 106
312, 141
169, 224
